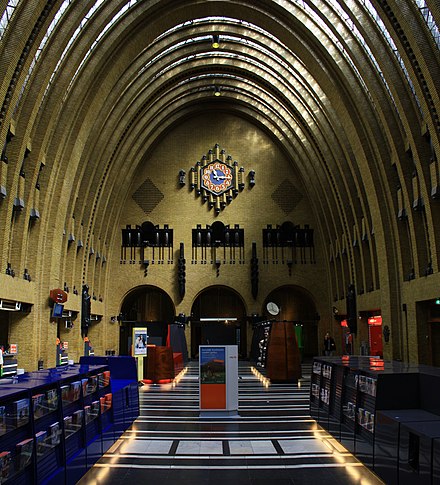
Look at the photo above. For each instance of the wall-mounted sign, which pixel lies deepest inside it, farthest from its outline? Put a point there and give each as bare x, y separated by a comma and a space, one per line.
13, 349
375, 321
58, 295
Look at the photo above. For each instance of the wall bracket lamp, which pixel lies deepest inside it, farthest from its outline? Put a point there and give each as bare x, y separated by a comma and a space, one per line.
182, 174
215, 44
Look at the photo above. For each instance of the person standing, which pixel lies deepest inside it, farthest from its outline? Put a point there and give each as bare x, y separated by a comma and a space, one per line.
348, 342
329, 345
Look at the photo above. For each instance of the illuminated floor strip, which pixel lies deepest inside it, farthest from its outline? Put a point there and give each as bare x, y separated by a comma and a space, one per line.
299, 419
210, 432
151, 435
243, 407
226, 467
167, 458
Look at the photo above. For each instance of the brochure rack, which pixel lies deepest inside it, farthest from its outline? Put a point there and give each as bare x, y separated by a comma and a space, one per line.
350, 397
56, 423
9, 367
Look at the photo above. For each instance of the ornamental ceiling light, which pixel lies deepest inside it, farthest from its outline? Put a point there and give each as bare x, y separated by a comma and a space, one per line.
215, 41
217, 91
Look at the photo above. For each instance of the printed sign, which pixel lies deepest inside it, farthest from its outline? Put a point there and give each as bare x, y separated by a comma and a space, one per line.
212, 365
375, 321
140, 341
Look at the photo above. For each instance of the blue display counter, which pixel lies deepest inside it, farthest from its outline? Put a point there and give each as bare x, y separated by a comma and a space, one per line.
56, 423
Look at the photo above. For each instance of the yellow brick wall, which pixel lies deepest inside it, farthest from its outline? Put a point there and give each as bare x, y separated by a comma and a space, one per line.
252, 209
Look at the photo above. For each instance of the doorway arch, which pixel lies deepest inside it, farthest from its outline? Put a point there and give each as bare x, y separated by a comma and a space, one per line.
218, 317
147, 306
297, 305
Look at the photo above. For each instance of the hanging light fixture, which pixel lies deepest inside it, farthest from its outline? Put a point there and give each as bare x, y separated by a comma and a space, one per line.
217, 91
215, 41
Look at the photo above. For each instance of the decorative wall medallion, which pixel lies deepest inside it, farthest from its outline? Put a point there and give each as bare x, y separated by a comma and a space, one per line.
217, 179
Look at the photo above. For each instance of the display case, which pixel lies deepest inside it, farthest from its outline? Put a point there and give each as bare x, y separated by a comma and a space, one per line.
335, 405
125, 394
54, 422
349, 415
416, 452
436, 461
47, 418
315, 389
16, 437
124, 386
9, 367
324, 394
386, 439
365, 417
346, 393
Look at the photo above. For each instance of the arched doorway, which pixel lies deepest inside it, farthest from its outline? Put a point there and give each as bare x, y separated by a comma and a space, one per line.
297, 305
145, 306
218, 317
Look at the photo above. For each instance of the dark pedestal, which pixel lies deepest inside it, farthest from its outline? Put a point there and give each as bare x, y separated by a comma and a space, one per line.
386, 442
436, 461
159, 364
283, 358
178, 341
415, 452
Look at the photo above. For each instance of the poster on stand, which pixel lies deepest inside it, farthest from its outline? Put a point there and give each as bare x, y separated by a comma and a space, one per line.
212, 368
139, 341
212, 365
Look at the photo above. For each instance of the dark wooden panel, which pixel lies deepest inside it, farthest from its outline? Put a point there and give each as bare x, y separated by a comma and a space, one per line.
283, 358
159, 364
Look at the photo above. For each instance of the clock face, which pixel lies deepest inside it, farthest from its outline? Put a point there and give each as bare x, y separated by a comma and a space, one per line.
217, 177
272, 308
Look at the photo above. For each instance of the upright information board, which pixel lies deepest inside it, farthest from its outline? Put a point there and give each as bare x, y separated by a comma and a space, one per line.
140, 339
218, 371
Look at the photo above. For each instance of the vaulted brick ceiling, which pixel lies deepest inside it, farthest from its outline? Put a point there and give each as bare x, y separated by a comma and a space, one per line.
325, 79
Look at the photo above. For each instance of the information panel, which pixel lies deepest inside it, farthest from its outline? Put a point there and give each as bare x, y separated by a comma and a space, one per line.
139, 345
139, 341
218, 370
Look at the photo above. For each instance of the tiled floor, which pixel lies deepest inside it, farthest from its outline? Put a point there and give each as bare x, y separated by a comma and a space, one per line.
272, 441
